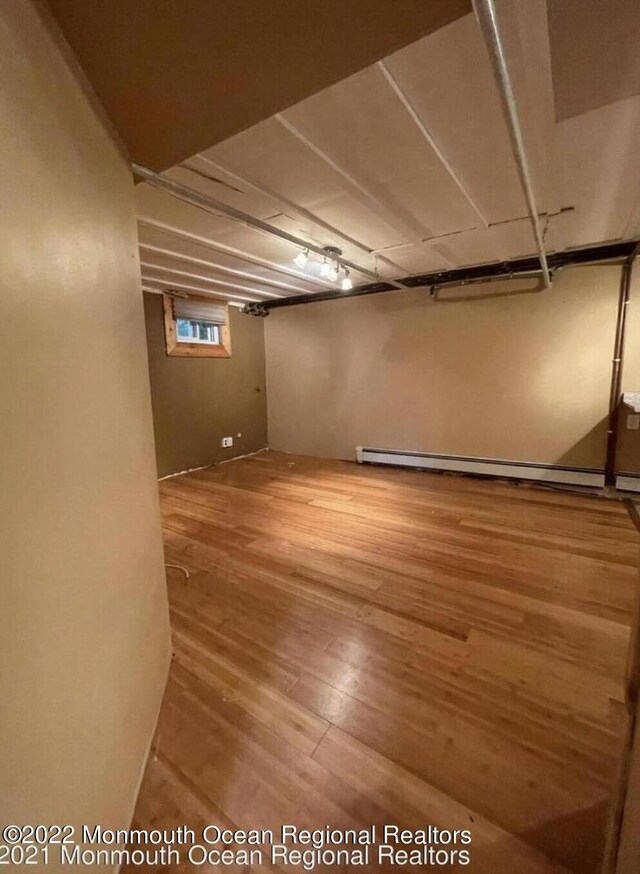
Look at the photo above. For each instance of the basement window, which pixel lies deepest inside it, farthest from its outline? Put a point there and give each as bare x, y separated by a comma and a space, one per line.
196, 327
190, 331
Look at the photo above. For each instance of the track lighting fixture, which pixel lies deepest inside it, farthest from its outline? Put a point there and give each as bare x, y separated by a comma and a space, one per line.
327, 268
301, 258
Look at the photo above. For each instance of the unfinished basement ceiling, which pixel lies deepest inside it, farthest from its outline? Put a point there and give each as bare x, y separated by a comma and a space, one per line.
407, 166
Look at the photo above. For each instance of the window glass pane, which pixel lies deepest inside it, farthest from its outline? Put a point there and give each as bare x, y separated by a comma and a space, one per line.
184, 329
189, 331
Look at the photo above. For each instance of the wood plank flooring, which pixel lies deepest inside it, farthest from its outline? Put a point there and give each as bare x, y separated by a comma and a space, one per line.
361, 645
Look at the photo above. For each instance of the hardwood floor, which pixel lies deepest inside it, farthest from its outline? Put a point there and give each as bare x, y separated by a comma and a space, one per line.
362, 645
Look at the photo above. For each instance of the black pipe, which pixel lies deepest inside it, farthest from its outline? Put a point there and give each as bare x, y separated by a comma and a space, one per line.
460, 275
616, 369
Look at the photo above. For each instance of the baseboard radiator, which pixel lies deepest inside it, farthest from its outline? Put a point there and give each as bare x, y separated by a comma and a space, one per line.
551, 473
628, 482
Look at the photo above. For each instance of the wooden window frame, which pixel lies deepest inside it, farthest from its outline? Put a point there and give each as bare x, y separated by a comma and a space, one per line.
179, 348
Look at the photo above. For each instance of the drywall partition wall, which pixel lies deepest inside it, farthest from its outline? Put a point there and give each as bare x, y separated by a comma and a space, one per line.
522, 377
85, 639
198, 401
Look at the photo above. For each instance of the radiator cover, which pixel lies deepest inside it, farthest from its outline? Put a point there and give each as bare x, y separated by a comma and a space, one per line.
628, 482
552, 473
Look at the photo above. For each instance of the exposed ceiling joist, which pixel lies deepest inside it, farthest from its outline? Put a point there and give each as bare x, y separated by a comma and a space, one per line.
218, 207
150, 290
217, 246
423, 133
370, 200
415, 117
164, 285
296, 209
220, 268
147, 265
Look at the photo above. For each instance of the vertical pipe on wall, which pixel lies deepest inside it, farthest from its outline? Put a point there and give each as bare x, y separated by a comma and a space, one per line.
616, 369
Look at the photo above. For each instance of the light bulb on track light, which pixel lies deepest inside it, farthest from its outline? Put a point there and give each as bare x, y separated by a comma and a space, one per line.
301, 258
325, 268
347, 284
333, 272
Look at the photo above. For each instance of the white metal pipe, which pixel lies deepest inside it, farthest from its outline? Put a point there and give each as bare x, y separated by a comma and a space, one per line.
290, 206
485, 11
484, 280
217, 207
281, 201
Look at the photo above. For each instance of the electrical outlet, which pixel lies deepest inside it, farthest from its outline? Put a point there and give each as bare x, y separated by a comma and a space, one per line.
633, 422
227, 441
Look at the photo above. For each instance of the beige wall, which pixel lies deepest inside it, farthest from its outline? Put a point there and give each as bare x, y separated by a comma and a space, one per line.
522, 377
85, 643
198, 401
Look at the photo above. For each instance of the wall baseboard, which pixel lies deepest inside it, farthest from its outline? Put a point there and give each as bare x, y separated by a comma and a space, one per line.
628, 482
212, 464
552, 473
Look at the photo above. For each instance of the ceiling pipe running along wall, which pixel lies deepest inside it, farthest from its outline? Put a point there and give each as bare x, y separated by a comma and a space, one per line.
606, 253
465, 283
487, 19
218, 207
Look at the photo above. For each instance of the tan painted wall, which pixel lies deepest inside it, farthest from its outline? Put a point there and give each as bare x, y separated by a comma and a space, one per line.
85, 644
198, 401
523, 377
